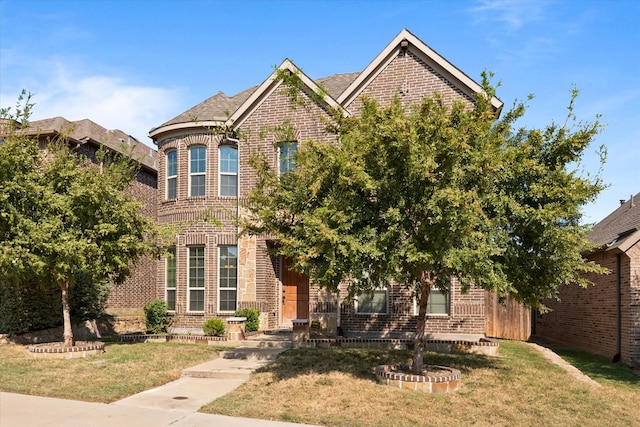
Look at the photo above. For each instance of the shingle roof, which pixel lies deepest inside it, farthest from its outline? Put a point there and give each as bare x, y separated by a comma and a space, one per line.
337, 83
220, 106
619, 225
86, 130
216, 108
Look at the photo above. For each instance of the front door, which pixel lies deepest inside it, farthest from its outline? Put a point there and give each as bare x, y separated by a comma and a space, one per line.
295, 294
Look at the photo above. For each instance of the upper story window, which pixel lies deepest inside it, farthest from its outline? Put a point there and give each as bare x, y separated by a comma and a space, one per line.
172, 174
197, 170
228, 171
287, 155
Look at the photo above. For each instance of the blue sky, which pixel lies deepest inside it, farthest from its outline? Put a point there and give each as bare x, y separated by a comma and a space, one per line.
133, 65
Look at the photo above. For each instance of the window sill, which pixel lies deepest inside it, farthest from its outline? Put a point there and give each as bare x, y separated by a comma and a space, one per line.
371, 314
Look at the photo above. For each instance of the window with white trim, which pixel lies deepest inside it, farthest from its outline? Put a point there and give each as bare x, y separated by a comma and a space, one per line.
227, 278
170, 279
228, 171
172, 174
196, 278
197, 171
438, 303
287, 156
376, 302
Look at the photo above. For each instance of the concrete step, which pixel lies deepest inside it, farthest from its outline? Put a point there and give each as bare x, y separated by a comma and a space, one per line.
253, 353
222, 368
251, 343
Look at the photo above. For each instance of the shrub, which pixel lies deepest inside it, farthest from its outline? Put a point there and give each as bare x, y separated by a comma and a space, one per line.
27, 307
253, 318
87, 299
157, 318
214, 327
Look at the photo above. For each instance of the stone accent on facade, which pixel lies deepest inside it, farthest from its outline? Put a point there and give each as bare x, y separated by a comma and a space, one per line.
257, 113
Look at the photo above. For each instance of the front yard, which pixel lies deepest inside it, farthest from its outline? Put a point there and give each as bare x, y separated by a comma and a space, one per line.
518, 388
337, 387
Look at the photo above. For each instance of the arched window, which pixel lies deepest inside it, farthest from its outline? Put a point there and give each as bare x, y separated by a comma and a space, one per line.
228, 171
172, 174
197, 170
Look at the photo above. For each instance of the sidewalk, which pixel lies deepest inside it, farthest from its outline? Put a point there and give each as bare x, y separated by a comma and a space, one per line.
17, 410
174, 404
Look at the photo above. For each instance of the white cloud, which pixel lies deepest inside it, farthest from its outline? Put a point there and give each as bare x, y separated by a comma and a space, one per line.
513, 13
60, 90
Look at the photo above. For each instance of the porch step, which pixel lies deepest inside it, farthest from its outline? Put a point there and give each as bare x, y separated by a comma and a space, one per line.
239, 363
253, 353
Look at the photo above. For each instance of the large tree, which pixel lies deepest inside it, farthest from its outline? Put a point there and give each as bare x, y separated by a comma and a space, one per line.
63, 217
421, 194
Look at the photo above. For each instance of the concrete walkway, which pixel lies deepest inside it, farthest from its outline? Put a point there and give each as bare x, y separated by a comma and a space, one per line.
174, 404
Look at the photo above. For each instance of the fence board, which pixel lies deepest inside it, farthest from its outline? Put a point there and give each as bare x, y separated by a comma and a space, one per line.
510, 320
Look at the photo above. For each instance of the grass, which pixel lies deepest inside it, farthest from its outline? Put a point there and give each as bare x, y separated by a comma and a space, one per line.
519, 388
337, 387
123, 370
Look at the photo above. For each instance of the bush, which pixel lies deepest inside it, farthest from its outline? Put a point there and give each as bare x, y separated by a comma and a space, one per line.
157, 318
27, 307
253, 318
214, 327
87, 299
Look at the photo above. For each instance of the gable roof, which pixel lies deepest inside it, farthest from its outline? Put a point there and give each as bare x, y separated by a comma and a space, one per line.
341, 89
269, 85
621, 229
424, 52
87, 131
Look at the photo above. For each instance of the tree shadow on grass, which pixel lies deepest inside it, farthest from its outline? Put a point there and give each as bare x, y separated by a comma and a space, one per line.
598, 367
361, 362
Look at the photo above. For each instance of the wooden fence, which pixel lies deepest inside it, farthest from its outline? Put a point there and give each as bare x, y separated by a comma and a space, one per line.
510, 320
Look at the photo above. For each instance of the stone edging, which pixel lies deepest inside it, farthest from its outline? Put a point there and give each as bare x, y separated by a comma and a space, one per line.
483, 346
168, 338
56, 350
396, 376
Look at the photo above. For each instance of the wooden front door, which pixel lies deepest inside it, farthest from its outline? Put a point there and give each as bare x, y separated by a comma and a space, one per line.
295, 294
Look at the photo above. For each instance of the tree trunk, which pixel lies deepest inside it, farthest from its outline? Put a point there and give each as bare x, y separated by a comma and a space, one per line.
66, 313
417, 366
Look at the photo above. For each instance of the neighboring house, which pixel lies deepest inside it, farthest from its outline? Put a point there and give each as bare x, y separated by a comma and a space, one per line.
604, 319
85, 138
203, 168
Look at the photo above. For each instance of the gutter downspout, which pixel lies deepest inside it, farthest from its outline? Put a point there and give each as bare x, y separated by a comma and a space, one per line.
618, 354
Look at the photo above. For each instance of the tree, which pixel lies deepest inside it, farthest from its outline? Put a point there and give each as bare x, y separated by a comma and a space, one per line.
62, 217
423, 194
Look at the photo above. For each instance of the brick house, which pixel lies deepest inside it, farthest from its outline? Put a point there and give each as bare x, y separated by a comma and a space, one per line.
604, 319
85, 138
202, 169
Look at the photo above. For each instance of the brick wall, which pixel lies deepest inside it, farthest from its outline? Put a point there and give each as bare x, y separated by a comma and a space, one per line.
410, 78
586, 318
406, 75
465, 316
139, 288
634, 306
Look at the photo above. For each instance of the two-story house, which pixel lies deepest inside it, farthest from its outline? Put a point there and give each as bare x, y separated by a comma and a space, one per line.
203, 171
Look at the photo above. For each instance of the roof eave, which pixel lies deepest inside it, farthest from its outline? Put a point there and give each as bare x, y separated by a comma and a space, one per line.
155, 133
386, 56
269, 85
